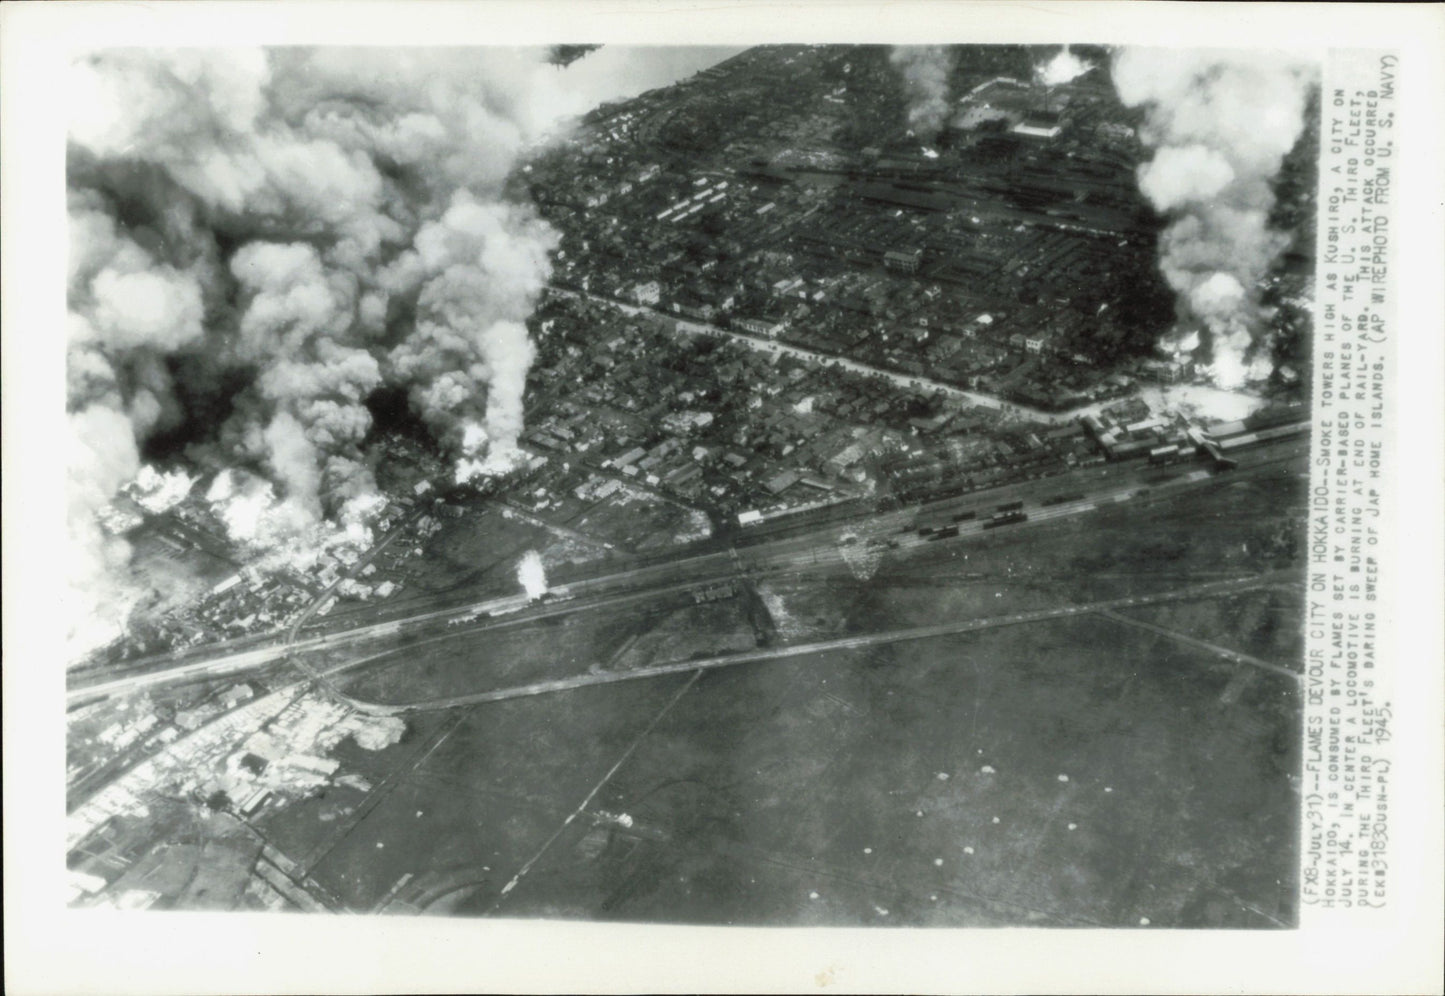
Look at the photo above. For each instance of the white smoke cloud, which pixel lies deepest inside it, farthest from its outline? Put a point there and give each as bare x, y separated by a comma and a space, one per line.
163, 103
1220, 124
927, 71
478, 458
310, 224
159, 308
479, 268
1185, 173
531, 575
101, 457
241, 501
1202, 402
1063, 68
156, 490
292, 456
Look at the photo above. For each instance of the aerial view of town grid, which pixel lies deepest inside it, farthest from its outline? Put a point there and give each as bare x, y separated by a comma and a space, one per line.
797, 485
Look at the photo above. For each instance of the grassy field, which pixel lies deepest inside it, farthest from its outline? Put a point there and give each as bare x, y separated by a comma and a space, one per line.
696, 630
482, 793
894, 786
928, 788
1267, 624
472, 661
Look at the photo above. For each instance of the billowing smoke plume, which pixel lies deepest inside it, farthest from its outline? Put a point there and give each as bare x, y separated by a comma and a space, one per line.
1220, 124
927, 70
531, 575
261, 238
1063, 68
478, 267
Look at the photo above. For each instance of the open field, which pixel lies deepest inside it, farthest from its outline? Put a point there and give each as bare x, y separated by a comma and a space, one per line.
469, 661
1267, 624
1078, 771
764, 784
691, 631
478, 791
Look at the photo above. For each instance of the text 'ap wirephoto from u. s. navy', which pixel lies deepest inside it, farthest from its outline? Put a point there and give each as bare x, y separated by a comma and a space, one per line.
825, 485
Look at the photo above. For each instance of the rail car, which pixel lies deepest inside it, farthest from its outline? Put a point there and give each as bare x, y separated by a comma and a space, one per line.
1006, 519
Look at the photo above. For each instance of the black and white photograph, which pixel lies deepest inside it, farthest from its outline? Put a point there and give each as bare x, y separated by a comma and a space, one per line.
773, 485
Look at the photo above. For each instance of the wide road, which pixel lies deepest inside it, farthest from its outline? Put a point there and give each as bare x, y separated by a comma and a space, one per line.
815, 547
